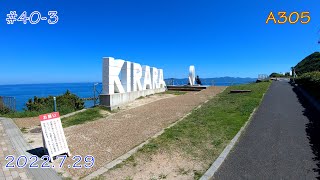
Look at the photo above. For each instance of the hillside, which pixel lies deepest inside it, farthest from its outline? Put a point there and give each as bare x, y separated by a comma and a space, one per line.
309, 64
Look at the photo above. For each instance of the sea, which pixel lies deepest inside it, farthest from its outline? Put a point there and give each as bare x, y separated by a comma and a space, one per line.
23, 92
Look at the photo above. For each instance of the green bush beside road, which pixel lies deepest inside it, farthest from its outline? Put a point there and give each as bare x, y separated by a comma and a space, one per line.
308, 71
310, 79
311, 82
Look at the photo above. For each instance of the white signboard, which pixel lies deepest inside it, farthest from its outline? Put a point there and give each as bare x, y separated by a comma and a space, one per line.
120, 76
53, 134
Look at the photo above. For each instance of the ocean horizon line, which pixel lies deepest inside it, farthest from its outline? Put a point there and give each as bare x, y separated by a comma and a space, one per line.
44, 83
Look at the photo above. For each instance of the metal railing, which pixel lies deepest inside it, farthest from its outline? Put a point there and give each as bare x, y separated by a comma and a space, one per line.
7, 103
262, 77
97, 89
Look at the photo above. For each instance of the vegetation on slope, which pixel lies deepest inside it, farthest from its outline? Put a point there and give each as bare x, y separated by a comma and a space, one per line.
309, 64
311, 82
308, 71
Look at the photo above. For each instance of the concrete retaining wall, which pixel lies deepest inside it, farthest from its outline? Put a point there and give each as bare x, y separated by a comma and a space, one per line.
117, 100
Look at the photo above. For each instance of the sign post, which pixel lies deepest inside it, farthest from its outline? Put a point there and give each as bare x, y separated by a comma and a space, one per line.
54, 104
53, 135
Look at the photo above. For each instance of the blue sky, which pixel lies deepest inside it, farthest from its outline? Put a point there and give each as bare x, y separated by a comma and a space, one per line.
221, 38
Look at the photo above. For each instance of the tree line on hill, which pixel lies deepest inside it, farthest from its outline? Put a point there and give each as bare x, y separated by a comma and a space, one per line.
278, 75
309, 64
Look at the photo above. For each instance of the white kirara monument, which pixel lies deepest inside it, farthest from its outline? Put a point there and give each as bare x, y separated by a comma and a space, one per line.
124, 81
192, 75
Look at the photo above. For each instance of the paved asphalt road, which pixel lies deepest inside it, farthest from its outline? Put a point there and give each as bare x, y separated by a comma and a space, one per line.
281, 142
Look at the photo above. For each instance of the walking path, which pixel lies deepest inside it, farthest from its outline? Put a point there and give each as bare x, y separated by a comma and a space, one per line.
13, 143
281, 142
5, 150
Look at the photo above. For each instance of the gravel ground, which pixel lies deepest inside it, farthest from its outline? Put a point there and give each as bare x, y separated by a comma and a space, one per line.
164, 165
28, 122
110, 137
32, 122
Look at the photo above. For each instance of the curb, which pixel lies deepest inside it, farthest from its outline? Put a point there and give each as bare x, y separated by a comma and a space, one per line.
218, 162
208, 175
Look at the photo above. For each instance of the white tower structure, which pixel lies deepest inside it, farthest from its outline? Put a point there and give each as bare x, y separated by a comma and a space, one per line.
192, 75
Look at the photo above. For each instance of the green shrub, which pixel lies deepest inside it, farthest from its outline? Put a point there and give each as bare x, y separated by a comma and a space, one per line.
3, 108
311, 82
66, 103
310, 79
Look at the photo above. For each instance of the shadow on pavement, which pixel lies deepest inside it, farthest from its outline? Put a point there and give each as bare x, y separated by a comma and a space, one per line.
312, 128
37, 151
